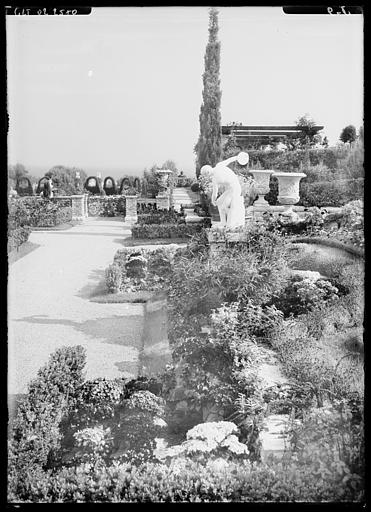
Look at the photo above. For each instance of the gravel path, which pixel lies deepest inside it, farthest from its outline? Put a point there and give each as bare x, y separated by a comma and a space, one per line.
49, 307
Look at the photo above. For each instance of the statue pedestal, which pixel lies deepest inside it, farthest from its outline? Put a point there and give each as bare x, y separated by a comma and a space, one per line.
219, 238
79, 208
163, 202
131, 215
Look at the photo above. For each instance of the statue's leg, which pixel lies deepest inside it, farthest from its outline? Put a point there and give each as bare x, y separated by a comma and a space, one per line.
223, 217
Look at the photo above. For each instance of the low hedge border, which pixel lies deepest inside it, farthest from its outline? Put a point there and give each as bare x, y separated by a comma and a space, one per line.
17, 237
166, 230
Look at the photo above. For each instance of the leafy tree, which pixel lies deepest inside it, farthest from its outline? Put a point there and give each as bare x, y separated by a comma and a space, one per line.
171, 165
361, 134
308, 132
349, 134
209, 145
16, 171
65, 181
150, 181
231, 148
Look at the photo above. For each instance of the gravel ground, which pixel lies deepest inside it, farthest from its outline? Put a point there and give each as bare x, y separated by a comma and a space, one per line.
48, 304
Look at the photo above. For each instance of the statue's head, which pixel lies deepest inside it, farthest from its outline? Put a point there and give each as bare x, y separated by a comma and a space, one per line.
206, 169
243, 158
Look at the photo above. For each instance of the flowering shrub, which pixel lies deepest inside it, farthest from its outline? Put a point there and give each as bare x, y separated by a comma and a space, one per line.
302, 295
208, 441
352, 225
96, 400
93, 444
140, 423
205, 182
215, 369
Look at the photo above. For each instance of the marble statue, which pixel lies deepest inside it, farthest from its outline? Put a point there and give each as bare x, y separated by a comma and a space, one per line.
231, 202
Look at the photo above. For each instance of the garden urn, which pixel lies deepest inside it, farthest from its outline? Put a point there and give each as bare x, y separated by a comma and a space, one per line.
288, 187
163, 179
261, 178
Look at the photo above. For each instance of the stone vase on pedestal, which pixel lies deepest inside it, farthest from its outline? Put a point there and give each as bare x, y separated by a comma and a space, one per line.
288, 188
261, 178
163, 196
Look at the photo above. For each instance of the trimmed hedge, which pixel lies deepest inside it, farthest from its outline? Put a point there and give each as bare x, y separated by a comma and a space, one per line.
38, 212
166, 230
161, 217
35, 432
17, 237
330, 193
188, 481
295, 160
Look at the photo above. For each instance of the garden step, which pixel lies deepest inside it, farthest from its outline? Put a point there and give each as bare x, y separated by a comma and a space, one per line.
184, 196
273, 436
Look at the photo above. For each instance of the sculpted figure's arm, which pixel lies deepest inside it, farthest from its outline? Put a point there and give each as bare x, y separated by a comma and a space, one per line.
229, 160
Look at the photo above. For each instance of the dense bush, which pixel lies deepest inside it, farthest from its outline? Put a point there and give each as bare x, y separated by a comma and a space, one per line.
252, 271
152, 231
140, 269
161, 217
217, 378
292, 161
17, 236
191, 481
95, 401
37, 212
113, 275
18, 214
330, 193
107, 206
302, 294
309, 346
35, 434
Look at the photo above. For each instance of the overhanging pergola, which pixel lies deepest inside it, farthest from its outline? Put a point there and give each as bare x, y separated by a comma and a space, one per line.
247, 134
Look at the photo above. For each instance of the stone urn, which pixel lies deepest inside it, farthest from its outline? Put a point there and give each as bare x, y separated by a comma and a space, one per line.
288, 187
261, 178
163, 180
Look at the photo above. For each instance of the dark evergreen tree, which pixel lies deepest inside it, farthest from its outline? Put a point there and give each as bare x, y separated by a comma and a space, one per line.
349, 134
209, 145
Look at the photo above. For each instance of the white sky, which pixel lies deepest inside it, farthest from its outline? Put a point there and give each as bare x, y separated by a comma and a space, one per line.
121, 89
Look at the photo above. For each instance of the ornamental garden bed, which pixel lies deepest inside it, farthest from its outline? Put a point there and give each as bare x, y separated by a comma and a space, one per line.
97, 440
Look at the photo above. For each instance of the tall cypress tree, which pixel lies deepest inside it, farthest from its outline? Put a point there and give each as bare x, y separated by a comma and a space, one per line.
209, 145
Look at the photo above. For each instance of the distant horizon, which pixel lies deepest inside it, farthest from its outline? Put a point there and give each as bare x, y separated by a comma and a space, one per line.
38, 171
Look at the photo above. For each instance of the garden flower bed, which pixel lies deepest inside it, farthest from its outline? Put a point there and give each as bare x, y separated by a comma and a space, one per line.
76, 440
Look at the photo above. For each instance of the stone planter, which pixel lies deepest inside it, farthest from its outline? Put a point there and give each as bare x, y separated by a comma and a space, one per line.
261, 178
288, 187
163, 180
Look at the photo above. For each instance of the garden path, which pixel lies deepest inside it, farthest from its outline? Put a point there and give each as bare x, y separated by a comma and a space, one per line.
48, 304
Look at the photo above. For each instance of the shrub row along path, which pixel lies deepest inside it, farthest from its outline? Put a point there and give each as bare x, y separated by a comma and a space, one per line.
49, 291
